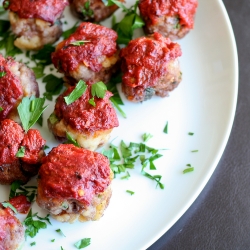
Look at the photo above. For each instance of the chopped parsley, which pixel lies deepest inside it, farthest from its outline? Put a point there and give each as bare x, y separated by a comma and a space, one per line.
60, 232
86, 11
165, 130
130, 192
146, 137
76, 93
33, 243
194, 151
190, 133
7, 204
131, 21
29, 110
188, 169
71, 140
82, 243
1, 109
21, 152
2, 73
33, 226
98, 89
79, 43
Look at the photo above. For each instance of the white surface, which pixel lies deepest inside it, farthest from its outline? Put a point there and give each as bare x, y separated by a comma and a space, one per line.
204, 103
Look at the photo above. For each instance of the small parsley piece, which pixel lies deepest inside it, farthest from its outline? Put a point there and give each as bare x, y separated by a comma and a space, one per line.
92, 101
7, 43
79, 43
1, 109
43, 55
98, 89
45, 147
2, 73
60, 232
190, 133
194, 151
21, 152
39, 70
53, 240
29, 110
62, 248
71, 140
165, 130
33, 226
33, 243
126, 176
53, 118
6, 4
7, 204
86, 11
17, 189
131, 21
156, 178
188, 170
76, 93
130, 192
146, 137
82, 243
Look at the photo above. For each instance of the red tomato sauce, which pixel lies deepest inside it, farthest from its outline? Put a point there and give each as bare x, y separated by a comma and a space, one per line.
70, 172
33, 143
183, 9
21, 204
10, 87
11, 136
101, 41
47, 10
82, 116
144, 59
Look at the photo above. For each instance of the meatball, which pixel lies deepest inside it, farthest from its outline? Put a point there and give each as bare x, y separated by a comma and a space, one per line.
90, 54
150, 67
75, 187
89, 125
12, 139
92, 10
35, 23
11, 230
16, 82
173, 18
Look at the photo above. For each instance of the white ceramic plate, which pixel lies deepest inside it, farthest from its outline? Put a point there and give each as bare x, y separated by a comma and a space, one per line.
204, 103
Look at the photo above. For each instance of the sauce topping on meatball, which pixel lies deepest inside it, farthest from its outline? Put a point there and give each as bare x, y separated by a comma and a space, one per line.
47, 10
74, 173
11, 136
183, 9
21, 204
98, 41
83, 116
10, 87
144, 58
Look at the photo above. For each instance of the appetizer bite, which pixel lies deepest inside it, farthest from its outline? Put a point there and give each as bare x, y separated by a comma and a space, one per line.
89, 120
11, 230
150, 67
90, 54
35, 23
92, 10
20, 152
75, 187
16, 82
173, 18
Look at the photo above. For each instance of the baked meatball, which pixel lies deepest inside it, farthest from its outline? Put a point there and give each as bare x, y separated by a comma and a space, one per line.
16, 82
89, 125
12, 138
74, 183
90, 54
11, 230
150, 67
92, 10
171, 18
35, 23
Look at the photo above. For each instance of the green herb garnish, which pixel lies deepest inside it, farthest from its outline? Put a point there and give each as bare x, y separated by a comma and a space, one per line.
146, 137
1, 109
193, 151
82, 243
86, 11
98, 89
165, 130
76, 93
71, 140
190, 133
2, 74
7, 204
130, 192
187, 170
29, 111
33, 243
21, 152
78, 43
60, 232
